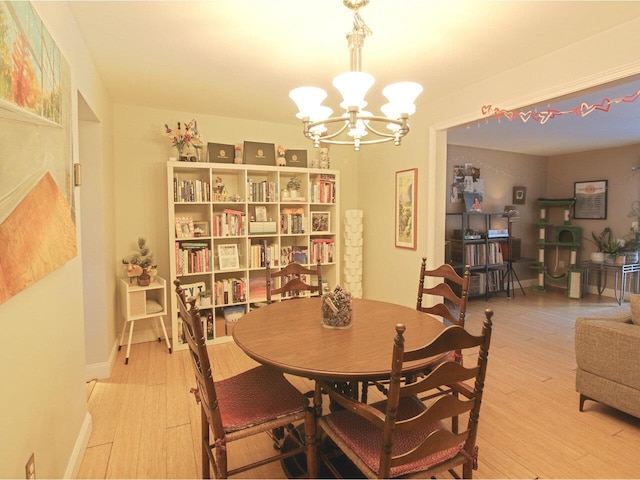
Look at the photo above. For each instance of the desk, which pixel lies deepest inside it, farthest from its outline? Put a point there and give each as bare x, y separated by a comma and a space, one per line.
288, 335
620, 272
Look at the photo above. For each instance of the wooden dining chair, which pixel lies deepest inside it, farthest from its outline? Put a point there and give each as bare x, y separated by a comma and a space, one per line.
402, 435
255, 401
293, 280
453, 307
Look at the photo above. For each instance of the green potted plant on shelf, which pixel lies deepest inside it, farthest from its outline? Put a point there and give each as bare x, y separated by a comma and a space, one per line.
293, 186
205, 298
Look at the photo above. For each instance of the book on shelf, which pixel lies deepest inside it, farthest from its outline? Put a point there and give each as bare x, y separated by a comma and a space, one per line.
299, 254
192, 257
292, 221
229, 291
323, 249
261, 252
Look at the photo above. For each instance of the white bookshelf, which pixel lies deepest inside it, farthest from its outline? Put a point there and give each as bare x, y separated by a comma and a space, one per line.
237, 221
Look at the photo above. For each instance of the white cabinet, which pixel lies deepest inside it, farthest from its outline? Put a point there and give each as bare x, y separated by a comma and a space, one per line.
140, 303
227, 220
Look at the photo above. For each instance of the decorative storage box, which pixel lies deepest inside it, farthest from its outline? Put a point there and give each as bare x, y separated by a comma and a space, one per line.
220, 153
296, 158
259, 153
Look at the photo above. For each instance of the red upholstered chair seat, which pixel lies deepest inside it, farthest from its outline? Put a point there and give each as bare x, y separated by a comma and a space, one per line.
365, 439
248, 398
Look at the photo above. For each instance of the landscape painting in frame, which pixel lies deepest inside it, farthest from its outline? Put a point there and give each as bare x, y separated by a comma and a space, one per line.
37, 218
406, 203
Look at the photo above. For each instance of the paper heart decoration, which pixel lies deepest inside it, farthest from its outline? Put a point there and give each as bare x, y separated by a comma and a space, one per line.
604, 105
548, 115
586, 109
486, 109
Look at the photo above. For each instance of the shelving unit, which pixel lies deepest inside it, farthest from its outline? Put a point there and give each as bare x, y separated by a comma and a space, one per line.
142, 302
472, 245
243, 218
564, 236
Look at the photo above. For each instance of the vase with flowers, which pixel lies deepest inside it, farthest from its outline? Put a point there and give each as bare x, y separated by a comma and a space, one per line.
186, 139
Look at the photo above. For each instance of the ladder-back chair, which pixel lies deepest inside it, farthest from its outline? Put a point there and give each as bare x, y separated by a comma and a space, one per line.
292, 277
255, 401
451, 299
402, 435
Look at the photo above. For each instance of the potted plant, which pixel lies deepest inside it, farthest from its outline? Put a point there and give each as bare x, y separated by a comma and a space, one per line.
601, 242
205, 298
140, 263
293, 186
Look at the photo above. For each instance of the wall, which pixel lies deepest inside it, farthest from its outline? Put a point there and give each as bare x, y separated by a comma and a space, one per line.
613, 165
391, 272
141, 152
42, 360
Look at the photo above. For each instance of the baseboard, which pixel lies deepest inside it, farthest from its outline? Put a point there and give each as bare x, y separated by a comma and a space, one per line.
99, 371
75, 461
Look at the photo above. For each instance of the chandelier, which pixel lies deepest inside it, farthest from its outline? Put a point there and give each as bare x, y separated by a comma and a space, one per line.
356, 123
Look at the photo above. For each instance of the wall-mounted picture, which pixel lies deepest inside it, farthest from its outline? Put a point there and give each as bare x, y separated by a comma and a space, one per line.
519, 195
406, 206
320, 221
591, 200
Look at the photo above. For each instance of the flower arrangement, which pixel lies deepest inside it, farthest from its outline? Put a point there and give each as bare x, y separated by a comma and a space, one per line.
281, 151
186, 135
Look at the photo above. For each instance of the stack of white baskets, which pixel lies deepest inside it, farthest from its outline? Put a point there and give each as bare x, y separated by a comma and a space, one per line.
353, 252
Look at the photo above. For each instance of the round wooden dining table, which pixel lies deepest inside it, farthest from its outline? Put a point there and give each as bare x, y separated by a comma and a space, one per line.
289, 336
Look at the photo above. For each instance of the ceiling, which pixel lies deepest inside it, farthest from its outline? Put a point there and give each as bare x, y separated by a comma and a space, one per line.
240, 58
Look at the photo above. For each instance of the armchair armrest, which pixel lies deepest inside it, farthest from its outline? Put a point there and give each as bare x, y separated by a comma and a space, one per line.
608, 347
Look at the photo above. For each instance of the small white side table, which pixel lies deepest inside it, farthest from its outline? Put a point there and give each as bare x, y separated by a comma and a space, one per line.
139, 303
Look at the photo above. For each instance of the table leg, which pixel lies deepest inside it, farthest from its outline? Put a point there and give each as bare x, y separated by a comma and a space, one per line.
126, 360
164, 330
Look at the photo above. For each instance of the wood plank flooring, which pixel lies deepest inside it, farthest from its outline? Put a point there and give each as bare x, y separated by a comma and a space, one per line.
146, 423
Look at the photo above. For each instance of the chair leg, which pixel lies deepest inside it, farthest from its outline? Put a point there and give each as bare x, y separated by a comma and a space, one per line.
310, 433
204, 429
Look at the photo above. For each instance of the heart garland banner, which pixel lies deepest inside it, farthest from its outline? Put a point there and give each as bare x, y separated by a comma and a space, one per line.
544, 116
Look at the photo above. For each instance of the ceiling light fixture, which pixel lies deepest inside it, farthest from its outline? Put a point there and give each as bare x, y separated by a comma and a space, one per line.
356, 122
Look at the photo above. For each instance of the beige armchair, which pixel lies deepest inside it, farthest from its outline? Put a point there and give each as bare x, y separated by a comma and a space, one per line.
608, 357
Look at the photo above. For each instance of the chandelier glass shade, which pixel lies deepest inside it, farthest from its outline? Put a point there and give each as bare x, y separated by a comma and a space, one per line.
355, 123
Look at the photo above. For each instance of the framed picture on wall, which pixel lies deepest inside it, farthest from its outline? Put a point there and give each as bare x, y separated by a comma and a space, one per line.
519, 195
591, 200
406, 208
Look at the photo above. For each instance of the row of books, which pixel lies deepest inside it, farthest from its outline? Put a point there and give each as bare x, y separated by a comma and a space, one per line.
324, 190
480, 282
230, 223
263, 191
292, 221
192, 257
207, 326
229, 291
476, 254
191, 190
261, 252
323, 249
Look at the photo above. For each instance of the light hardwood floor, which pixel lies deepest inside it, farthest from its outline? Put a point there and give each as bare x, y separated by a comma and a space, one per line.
146, 423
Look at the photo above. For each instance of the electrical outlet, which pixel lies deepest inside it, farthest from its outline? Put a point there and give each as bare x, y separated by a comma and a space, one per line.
30, 467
